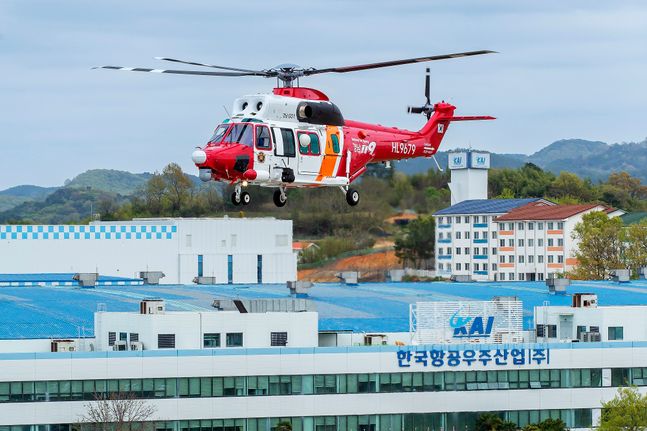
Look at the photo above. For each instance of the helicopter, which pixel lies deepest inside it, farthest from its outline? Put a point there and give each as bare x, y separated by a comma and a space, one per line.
296, 137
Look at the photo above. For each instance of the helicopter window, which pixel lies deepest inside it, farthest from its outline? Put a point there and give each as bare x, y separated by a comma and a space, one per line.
218, 134
288, 142
335, 143
242, 134
313, 148
263, 141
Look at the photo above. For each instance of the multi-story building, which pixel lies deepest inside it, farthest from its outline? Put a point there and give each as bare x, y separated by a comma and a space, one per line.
536, 240
467, 237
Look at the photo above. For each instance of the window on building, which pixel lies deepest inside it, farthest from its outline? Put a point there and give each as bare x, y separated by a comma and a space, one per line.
560, 225
531, 226
550, 225
560, 242
551, 259
279, 339
522, 276
440, 235
123, 336
458, 267
540, 259
440, 220
531, 242
166, 341
440, 251
580, 329
520, 242
521, 260
449, 251
234, 339
502, 259
440, 267
510, 226
540, 226
551, 242
467, 235
494, 266
134, 337
594, 329
449, 267
502, 243
511, 259
501, 226
502, 276
494, 251
211, 340
112, 337
510, 242
467, 267
467, 250
484, 251
485, 265
476, 235
466, 219
552, 331
476, 266
540, 242
520, 226
476, 250
560, 259
494, 235
531, 259
458, 235
449, 235
511, 276
458, 250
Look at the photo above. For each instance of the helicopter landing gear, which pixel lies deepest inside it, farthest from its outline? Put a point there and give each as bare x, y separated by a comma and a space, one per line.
352, 197
239, 197
280, 198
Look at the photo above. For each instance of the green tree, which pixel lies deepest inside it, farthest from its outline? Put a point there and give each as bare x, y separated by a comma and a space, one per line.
493, 422
599, 245
284, 426
570, 185
415, 243
635, 240
178, 187
154, 193
627, 411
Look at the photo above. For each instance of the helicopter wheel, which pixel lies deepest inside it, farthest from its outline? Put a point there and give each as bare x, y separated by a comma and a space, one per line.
280, 199
245, 198
236, 198
352, 197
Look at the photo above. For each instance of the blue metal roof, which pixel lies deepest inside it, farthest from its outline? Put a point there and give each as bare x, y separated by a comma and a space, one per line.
61, 312
485, 206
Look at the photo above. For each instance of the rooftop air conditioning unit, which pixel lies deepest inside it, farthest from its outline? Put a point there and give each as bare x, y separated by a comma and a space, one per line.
63, 346
136, 345
120, 346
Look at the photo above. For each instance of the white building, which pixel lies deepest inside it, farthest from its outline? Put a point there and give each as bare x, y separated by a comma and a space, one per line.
467, 237
233, 250
536, 240
586, 321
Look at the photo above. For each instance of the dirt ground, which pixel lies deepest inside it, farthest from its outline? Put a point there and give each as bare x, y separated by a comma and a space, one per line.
369, 265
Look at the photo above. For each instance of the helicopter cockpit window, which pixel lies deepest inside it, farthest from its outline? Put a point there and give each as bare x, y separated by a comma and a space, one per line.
263, 141
219, 133
241, 134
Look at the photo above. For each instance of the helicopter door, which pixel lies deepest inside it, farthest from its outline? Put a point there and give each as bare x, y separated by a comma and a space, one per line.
263, 149
284, 150
309, 153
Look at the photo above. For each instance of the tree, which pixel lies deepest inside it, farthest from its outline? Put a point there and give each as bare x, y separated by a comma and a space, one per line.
154, 193
493, 422
284, 426
600, 245
119, 411
627, 411
416, 241
178, 187
635, 240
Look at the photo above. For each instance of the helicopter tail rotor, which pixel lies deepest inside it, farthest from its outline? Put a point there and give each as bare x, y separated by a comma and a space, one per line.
427, 108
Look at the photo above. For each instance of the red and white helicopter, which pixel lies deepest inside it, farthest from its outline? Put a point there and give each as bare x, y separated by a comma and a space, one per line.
296, 137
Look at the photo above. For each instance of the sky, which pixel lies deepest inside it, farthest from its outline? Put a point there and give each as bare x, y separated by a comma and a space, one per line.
573, 69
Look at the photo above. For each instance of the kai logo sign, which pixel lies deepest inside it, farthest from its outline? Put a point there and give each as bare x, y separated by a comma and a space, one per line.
480, 160
458, 160
471, 326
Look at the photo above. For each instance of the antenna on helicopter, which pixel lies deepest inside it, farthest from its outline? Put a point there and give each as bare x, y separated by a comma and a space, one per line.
288, 73
427, 108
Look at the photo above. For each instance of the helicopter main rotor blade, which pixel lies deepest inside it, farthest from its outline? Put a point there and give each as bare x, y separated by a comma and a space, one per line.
181, 72
395, 62
193, 63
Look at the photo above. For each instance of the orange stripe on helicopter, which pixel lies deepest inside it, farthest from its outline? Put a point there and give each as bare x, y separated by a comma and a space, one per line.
330, 157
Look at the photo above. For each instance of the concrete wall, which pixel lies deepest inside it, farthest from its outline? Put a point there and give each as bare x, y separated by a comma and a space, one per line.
190, 327
169, 245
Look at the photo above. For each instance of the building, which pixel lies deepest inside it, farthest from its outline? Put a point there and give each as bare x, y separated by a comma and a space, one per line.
467, 237
345, 383
536, 240
233, 250
469, 175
